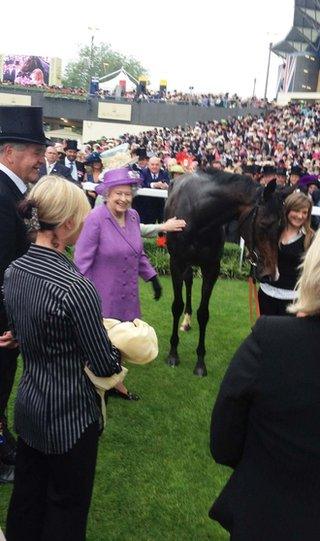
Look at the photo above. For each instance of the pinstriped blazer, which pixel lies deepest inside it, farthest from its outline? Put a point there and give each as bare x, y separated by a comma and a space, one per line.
55, 314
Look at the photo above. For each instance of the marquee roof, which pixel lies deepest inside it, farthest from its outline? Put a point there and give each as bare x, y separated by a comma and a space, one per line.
111, 80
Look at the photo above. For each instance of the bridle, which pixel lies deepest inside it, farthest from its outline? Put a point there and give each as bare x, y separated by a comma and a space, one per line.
252, 214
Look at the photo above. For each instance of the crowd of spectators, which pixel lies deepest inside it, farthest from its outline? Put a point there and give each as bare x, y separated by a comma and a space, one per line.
151, 96
52, 89
283, 137
185, 98
202, 100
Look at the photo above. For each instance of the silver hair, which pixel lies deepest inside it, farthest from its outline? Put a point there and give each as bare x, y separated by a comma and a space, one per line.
17, 146
134, 189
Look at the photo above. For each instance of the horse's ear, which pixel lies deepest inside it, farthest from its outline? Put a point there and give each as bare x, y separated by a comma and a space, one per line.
269, 189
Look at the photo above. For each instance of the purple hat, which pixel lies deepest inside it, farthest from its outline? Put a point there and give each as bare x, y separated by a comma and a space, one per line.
306, 180
117, 177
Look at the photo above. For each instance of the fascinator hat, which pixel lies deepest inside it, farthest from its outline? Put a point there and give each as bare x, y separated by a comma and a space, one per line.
306, 180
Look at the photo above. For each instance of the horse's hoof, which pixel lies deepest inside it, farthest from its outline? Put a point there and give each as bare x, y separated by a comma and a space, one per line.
185, 328
200, 371
173, 361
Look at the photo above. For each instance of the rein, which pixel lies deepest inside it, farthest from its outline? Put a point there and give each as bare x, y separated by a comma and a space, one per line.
253, 260
253, 295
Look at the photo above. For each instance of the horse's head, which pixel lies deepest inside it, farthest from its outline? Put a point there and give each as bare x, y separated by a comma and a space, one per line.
260, 230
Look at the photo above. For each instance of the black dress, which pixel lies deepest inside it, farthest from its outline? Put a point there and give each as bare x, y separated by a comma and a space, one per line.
289, 259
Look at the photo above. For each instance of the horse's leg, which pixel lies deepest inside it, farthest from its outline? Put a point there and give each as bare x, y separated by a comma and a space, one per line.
177, 309
210, 273
188, 280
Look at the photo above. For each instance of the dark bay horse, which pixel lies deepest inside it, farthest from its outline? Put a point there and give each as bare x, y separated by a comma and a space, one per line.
207, 201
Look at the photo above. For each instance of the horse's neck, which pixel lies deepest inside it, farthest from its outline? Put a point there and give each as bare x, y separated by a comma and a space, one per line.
231, 203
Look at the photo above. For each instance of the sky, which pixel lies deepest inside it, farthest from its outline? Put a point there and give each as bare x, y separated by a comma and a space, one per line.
212, 45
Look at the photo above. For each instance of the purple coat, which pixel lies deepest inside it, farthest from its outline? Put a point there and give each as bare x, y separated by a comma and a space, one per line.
112, 257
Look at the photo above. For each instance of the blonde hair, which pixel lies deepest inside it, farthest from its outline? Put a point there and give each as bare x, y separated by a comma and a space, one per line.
58, 200
298, 201
308, 286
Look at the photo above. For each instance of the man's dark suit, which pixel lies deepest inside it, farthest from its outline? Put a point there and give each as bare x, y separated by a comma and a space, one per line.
13, 244
58, 169
151, 209
265, 425
80, 169
148, 179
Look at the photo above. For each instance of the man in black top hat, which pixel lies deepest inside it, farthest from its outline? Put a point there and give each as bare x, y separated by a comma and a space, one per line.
281, 176
268, 173
77, 169
22, 148
142, 160
251, 169
295, 174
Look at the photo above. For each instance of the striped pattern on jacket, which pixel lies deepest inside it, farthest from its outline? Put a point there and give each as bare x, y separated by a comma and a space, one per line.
55, 314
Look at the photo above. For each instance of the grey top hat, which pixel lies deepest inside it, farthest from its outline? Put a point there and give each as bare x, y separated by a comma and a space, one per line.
22, 124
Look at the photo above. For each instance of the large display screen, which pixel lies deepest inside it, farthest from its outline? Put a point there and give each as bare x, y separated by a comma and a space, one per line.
29, 70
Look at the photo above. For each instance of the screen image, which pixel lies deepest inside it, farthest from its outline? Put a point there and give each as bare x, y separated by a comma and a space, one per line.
25, 70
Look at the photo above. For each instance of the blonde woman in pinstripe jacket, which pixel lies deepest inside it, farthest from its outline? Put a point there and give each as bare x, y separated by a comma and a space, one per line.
54, 314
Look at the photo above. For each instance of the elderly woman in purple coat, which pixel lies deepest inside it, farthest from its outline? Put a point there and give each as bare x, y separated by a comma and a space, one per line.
110, 252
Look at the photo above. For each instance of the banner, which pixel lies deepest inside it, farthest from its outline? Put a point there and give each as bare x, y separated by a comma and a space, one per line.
114, 111
94, 85
14, 99
55, 73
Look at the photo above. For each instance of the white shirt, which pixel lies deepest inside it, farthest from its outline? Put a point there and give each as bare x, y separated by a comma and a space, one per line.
49, 166
17, 180
73, 168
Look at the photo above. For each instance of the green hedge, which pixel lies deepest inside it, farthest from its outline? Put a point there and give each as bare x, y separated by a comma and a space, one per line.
159, 258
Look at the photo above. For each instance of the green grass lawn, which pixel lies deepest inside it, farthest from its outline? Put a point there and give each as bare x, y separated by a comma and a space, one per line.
155, 478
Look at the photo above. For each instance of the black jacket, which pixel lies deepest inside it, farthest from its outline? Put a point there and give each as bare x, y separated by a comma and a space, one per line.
162, 176
13, 232
80, 169
58, 169
265, 425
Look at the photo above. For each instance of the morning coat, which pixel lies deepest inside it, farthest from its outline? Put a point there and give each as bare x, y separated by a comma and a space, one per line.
13, 232
112, 257
265, 425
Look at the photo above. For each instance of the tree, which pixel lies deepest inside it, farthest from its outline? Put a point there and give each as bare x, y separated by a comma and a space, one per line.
97, 61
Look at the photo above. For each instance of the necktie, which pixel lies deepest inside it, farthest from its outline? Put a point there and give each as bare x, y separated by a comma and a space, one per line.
73, 170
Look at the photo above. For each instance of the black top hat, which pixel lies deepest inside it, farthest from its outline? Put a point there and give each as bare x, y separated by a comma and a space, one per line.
281, 171
141, 153
71, 145
296, 170
250, 169
24, 124
268, 169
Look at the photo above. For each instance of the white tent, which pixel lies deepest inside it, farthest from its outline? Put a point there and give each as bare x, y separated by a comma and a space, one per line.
112, 80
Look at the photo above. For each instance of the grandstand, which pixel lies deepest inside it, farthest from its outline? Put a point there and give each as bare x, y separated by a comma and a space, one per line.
299, 74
